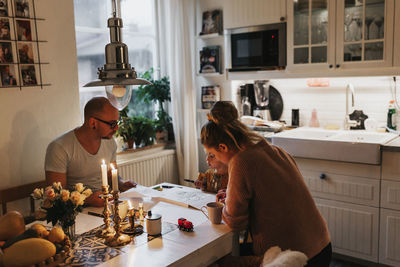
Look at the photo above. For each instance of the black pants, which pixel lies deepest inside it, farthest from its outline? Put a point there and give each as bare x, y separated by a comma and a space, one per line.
322, 259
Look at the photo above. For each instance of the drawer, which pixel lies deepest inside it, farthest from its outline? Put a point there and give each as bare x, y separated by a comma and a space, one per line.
390, 166
390, 195
337, 167
345, 188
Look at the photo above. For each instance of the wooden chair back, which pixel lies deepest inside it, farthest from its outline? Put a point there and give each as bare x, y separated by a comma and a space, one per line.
19, 192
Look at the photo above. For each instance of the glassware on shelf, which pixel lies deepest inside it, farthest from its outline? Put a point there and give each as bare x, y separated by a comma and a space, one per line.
368, 21
348, 19
379, 21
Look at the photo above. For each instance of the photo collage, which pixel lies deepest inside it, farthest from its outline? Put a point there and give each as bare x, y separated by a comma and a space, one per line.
18, 47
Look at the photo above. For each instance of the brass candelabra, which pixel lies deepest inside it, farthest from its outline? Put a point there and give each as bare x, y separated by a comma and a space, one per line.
118, 239
107, 230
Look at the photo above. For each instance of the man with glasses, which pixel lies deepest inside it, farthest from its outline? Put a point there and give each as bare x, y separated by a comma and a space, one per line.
75, 156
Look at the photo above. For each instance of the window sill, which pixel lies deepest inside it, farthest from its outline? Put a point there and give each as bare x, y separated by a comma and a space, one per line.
130, 154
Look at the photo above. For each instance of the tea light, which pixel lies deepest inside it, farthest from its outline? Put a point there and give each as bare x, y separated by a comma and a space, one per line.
104, 173
114, 175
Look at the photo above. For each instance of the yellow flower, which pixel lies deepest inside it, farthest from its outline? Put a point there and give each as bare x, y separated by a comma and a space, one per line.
87, 192
50, 194
57, 186
38, 193
75, 197
81, 200
47, 203
79, 187
64, 195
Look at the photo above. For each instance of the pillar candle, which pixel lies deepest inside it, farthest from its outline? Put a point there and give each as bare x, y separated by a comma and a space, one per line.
104, 173
114, 175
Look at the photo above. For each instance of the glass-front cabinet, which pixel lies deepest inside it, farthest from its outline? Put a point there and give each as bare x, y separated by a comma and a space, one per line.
364, 34
310, 34
339, 34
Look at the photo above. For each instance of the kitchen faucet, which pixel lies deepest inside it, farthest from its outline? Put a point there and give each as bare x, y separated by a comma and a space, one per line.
347, 122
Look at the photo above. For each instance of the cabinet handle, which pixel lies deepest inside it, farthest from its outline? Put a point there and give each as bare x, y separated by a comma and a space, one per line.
331, 66
282, 19
322, 176
337, 66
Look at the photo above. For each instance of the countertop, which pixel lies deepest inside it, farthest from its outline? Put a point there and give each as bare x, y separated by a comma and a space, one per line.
393, 146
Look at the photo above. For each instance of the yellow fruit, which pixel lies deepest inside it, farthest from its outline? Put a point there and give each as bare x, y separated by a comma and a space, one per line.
11, 225
40, 229
56, 235
28, 252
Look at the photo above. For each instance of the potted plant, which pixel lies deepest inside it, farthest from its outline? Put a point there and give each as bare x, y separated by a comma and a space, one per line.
143, 131
158, 91
125, 128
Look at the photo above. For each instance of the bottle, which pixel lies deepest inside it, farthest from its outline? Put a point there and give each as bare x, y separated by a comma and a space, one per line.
314, 119
246, 106
295, 117
391, 122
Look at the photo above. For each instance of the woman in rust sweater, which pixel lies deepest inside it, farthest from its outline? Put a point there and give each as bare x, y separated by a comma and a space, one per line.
266, 192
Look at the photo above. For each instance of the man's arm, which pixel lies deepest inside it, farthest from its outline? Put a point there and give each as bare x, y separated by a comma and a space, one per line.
52, 177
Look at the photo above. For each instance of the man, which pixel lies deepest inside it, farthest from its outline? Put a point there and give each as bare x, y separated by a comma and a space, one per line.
75, 156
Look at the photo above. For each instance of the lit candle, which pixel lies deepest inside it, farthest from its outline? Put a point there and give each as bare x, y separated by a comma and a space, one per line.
114, 175
104, 173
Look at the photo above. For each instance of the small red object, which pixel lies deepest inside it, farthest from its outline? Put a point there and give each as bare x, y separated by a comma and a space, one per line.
185, 225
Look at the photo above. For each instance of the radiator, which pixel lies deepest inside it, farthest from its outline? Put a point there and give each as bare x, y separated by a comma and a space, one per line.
150, 168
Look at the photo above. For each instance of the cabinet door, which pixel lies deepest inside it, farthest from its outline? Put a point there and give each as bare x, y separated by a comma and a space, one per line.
390, 166
364, 33
396, 52
390, 195
310, 35
244, 13
389, 243
353, 228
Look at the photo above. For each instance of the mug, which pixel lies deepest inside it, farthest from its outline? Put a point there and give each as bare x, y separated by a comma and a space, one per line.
123, 207
214, 210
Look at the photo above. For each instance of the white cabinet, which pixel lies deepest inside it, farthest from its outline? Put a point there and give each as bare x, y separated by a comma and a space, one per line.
353, 228
244, 13
347, 195
339, 35
389, 245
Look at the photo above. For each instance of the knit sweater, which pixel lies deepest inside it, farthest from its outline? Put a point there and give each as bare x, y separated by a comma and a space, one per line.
267, 194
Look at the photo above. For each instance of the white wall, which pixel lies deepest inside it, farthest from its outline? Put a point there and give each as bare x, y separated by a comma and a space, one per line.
30, 118
372, 95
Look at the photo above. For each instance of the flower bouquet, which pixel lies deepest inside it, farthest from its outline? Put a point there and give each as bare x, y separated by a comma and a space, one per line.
61, 206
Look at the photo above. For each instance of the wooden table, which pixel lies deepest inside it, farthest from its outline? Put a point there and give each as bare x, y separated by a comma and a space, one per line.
202, 247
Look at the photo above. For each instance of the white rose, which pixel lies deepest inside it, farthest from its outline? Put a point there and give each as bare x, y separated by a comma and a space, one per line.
64, 195
87, 192
38, 193
79, 187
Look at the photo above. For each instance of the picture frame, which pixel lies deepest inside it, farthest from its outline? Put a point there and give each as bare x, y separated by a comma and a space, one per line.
3, 8
22, 8
24, 32
210, 59
7, 75
25, 53
6, 55
28, 75
212, 22
5, 29
209, 95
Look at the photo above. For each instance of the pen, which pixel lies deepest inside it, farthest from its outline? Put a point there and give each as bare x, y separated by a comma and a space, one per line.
188, 180
94, 214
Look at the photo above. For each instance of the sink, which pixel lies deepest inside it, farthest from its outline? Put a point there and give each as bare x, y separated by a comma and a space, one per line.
351, 146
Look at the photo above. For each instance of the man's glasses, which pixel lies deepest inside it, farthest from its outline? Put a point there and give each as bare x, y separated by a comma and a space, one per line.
112, 124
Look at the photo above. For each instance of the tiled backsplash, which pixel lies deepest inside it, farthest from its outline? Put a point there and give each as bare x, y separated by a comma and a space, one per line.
372, 95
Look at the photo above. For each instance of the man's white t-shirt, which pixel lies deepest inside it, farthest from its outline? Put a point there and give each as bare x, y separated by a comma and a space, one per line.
66, 155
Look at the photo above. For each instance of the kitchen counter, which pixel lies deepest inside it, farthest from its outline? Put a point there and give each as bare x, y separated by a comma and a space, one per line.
393, 146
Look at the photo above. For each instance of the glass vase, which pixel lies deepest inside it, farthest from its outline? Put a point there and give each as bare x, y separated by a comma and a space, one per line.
69, 231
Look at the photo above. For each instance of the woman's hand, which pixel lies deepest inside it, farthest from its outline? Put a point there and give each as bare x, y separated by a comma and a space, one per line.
221, 195
199, 184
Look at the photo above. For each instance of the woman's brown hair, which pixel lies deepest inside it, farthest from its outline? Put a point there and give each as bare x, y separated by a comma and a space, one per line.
224, 127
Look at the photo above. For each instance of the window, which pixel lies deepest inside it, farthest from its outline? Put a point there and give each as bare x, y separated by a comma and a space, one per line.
92, 34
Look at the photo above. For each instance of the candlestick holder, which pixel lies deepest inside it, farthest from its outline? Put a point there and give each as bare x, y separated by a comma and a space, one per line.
107, 230
118, 239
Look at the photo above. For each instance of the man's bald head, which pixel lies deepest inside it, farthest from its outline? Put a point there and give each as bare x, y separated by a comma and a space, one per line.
95, 106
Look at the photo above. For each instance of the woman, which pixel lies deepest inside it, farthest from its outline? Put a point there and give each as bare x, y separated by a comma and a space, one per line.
266, 192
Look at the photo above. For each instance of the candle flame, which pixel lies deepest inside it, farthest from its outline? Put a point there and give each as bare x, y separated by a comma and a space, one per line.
104, 162
112, 166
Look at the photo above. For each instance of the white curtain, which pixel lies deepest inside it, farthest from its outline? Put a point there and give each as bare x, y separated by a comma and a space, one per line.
176, 45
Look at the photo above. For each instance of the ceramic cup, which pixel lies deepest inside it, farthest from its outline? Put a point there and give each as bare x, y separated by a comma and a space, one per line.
214, 211
153, 224
123, 207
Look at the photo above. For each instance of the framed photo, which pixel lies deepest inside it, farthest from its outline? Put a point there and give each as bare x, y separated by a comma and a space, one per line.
6, 55
3, 8
24, 32
209, 59
209, 95
7, 75
28, 75
5, 29
212, 22
25, 53
22, 8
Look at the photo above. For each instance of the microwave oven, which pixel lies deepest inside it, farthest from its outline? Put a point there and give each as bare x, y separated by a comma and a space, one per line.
257, 48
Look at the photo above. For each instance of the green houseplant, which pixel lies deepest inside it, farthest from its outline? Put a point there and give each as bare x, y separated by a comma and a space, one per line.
158, 92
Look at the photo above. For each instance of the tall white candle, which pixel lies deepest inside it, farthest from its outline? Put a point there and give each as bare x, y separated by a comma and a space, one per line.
114, 175
104, 173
